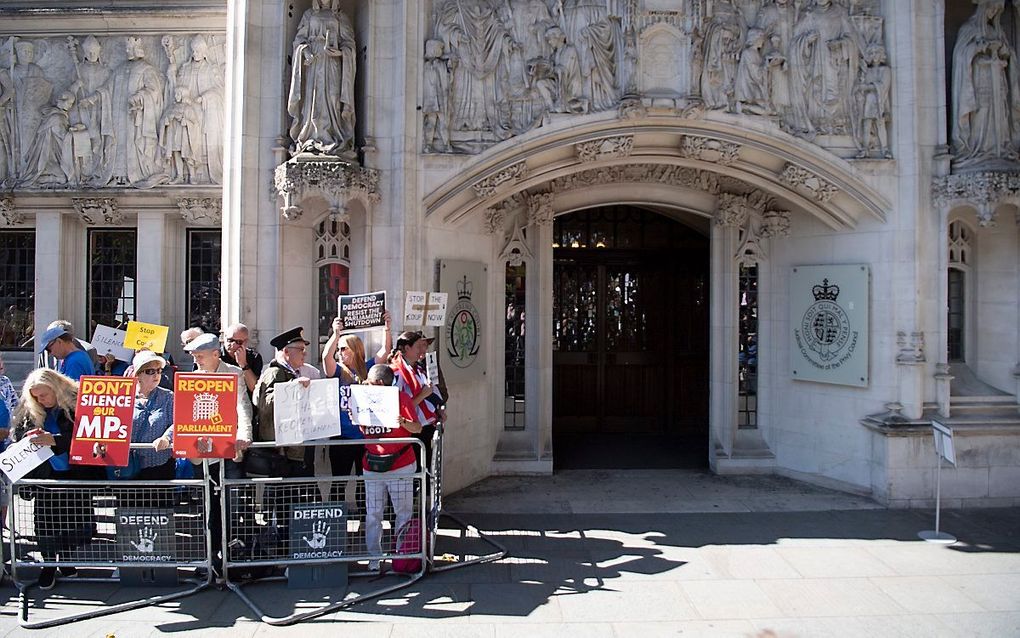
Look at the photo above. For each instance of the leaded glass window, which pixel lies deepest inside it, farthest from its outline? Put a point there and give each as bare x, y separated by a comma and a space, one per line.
513, 409
17, 288
747, 349
204, 268
112, 277
333, 257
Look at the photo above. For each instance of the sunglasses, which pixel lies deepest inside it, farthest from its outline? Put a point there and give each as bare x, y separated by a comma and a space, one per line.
342, 348
150, 371
237, 341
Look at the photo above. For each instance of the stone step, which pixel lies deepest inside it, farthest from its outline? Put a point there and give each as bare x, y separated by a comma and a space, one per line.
995, 399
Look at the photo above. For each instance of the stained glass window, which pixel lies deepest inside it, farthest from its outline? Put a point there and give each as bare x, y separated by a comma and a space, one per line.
747, 350
513, 409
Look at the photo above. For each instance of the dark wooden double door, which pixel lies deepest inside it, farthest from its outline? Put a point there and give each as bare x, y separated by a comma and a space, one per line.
630, 332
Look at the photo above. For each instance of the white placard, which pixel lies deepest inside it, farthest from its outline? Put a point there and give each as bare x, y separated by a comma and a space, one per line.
424, 309
306, 414
432, 367
107, 340
944, 442
375, 405
23, 457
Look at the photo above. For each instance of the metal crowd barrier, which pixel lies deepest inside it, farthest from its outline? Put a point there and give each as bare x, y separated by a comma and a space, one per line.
308, 524
145, 529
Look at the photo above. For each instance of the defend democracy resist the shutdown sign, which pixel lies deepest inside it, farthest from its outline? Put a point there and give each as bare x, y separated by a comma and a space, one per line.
102, 421
362, 312
205, 415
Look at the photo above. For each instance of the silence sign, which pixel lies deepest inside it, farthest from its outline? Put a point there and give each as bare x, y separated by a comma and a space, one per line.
362, 312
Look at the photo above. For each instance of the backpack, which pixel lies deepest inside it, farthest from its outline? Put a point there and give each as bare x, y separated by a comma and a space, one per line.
408, 542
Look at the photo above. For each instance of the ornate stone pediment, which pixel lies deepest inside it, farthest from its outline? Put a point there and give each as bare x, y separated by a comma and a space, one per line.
9, 215
337, 181
206, 211
98, 211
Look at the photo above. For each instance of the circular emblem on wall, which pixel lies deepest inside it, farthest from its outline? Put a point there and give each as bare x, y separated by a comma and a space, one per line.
463, 328
825, 327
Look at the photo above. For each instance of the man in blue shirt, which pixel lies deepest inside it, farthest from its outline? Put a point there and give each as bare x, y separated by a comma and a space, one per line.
60, 344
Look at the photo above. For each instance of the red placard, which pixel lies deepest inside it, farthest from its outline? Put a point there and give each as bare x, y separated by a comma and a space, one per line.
102, 421
205, 415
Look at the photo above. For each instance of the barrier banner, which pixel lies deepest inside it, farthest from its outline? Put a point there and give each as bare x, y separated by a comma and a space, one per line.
102, 421
205, 415
362, 312
146, 336
146, 535
318, 530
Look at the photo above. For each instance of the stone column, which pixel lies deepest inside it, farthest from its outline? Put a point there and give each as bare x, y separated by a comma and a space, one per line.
50, 285
150, 277
722, 413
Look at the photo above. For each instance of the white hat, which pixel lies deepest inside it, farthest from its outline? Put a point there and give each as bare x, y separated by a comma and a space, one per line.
143, 357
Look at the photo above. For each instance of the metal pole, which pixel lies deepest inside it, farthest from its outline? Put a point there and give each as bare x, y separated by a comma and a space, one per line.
938, 491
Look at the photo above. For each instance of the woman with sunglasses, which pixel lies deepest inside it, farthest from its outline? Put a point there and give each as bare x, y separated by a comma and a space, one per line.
154, 418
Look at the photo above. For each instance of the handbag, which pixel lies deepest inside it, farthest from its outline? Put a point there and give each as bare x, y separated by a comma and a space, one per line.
384, 462
128, 471
265, 462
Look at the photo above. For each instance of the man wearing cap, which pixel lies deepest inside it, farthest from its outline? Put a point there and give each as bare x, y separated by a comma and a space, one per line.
288, 365
59, 343
205, 349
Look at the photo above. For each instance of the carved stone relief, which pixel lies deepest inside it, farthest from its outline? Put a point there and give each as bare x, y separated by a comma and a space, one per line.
605, 148
754, 216
125, 111
817, 187
910, 347
540, 209
495, 69
509, 175
707, 149
986, 92
321, 97
98, 211
9, 215
336, 180
985, 191
207, 211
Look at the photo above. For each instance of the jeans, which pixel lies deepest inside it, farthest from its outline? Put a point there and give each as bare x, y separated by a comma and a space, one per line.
399, 487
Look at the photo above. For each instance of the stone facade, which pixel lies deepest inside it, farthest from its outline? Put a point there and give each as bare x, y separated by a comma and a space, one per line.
384, 140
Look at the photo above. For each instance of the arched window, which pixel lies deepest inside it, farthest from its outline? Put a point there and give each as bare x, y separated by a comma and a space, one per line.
333, 260
961, 255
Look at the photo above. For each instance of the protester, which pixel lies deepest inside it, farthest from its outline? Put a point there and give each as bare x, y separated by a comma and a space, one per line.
236, 352
59, 342
63, 518
5, 431
153, 419
395, 461
409, 349
84, 346
8, 395
189, 335
110, 365
288, 365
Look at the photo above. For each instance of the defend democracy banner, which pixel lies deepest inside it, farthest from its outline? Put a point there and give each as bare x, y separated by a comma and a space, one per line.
102, 421
362, 312
205, 415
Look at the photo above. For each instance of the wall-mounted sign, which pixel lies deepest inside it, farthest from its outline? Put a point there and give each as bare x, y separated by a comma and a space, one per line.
460, 345
829, 323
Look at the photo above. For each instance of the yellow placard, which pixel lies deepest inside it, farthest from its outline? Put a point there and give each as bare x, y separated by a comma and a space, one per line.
146, 336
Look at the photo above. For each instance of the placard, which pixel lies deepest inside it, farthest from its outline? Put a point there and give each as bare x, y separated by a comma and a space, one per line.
318, 530
145, 535
103, 417
306, 414
375, 406
944, 442
146, 336
829, 324
205, 415
22, 457
432, 367
461, 341
107, 340
424, 309
362, 312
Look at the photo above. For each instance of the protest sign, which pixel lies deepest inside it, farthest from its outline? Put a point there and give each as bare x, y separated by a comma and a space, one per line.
145, 535
306, 414
102, 421
424, 309
318, 530
375, 405
23, 457
432, 367
205, 415
146, 336
107, 340
362, 312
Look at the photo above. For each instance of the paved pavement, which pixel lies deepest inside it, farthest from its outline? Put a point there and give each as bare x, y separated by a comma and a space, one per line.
650, 553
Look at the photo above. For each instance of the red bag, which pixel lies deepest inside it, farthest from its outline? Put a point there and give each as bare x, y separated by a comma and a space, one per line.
408, 542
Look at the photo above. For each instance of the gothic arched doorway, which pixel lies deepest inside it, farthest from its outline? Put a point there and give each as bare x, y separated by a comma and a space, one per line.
630, 340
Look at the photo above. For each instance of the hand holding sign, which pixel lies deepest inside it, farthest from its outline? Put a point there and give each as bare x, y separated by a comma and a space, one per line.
146, 336
424, 308
362, 312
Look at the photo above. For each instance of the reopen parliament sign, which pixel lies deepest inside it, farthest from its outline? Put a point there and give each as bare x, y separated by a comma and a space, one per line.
205, 415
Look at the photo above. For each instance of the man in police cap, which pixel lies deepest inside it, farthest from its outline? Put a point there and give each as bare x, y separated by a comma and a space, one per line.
288, 365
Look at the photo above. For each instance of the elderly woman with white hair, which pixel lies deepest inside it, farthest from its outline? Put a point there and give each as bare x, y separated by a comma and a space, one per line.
63, 518
153, 419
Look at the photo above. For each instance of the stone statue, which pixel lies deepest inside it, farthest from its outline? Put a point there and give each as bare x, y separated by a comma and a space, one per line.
598, 38
321, 98
527, 20
986, 89
180, 134
94, 108
32, 92
137, 98
873, 105
435, 98
7, 121
570, 85
202, 81
752, 84
824, 55
723, 39
777, 19
50, 159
